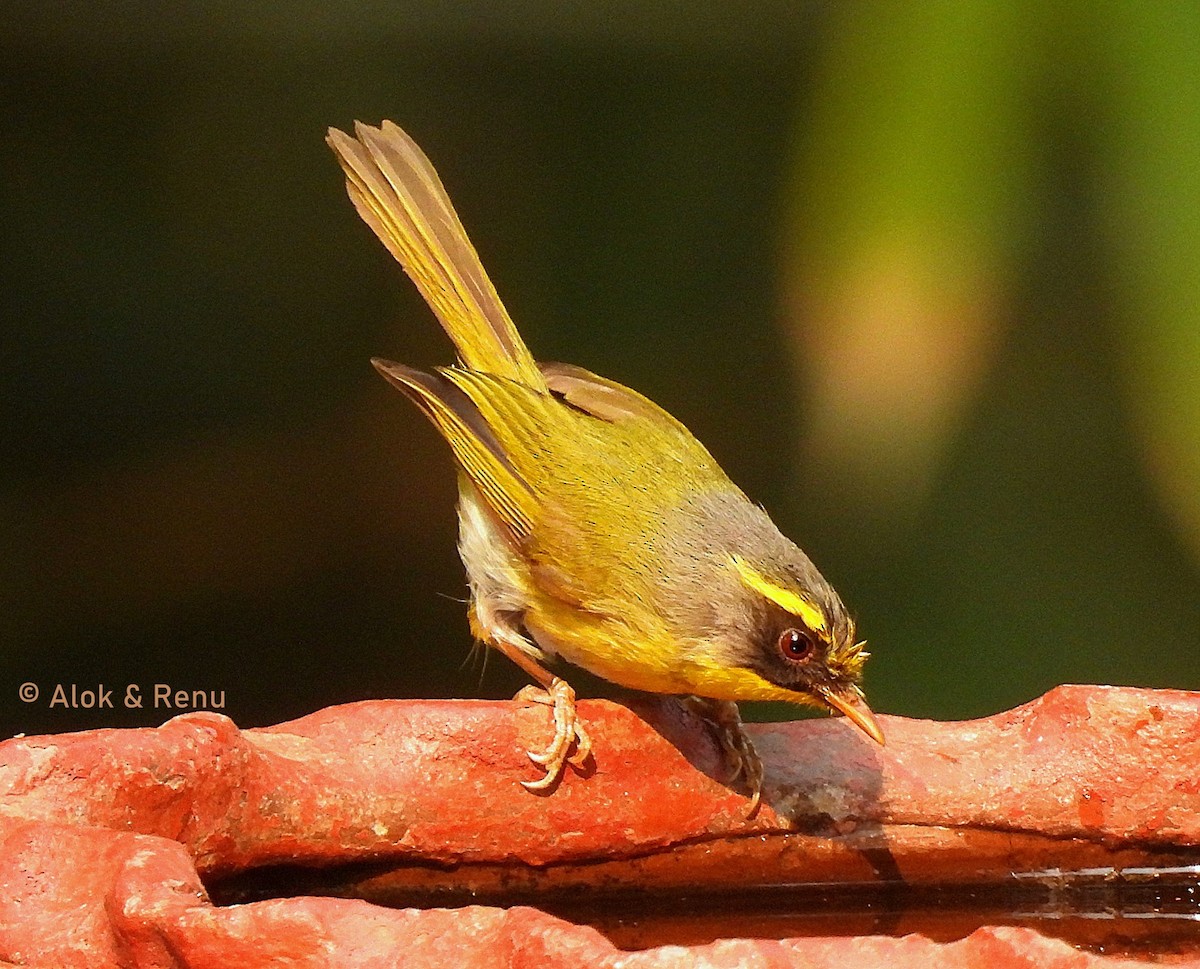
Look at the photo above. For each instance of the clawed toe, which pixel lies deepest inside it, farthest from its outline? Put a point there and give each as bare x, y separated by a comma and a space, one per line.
726, 723
543, 783
583, 748
568, 733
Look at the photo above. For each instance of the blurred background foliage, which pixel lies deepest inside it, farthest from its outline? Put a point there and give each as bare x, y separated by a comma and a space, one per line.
923, 276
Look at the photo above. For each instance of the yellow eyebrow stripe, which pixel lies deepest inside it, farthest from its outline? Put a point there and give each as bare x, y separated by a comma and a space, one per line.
786, 599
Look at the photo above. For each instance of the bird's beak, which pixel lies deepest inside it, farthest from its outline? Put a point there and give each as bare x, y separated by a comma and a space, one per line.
854, 707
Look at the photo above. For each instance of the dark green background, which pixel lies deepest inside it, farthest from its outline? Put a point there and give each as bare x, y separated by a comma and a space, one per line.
203, 482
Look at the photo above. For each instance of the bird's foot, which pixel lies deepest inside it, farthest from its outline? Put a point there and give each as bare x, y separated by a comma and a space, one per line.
726, 723
568, 733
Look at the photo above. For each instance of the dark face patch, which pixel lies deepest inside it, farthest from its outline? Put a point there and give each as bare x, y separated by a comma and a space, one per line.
790, 655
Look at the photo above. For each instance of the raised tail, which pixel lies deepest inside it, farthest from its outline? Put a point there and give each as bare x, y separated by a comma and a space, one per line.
399, 195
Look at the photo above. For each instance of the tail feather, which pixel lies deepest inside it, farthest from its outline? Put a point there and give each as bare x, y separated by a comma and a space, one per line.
399, 195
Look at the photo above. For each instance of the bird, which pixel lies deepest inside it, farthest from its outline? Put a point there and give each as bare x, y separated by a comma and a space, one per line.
594, 527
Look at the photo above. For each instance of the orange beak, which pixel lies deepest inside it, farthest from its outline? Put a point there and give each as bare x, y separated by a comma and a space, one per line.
856, 710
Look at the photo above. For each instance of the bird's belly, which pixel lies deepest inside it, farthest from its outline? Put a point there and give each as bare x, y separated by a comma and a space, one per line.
509, 602
607, 648
497, 576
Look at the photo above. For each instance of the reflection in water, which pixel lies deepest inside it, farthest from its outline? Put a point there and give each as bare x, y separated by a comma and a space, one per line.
1138, 911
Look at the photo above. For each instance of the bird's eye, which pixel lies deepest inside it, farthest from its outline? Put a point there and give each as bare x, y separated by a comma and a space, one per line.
796, 646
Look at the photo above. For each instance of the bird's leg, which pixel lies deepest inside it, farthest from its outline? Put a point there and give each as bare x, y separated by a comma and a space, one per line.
567, 730
726, 723
557, 693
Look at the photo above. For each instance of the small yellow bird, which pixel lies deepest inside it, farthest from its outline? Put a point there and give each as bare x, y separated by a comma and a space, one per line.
593, 526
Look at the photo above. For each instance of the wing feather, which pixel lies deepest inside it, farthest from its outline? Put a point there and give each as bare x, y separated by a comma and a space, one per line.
475, 446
